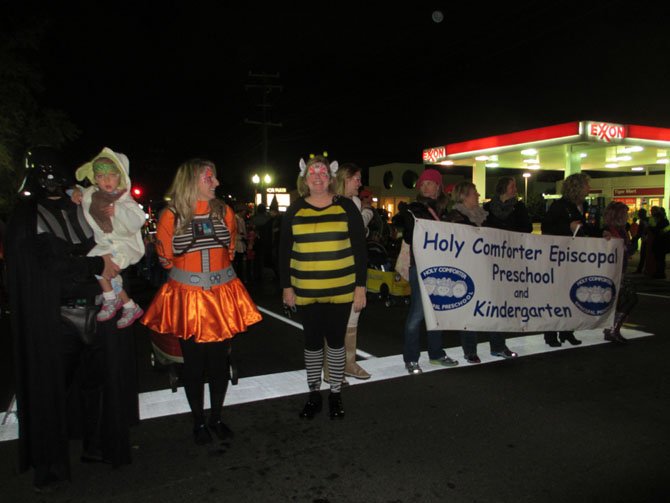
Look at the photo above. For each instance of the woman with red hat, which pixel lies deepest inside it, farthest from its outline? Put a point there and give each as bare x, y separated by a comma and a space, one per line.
431, 203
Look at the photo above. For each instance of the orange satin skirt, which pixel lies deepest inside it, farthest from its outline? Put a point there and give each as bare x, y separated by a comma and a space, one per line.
208, 315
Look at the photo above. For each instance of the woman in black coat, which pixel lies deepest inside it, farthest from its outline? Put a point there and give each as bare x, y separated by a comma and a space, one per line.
467, 211
505, 210
566, 218
430, 204
658, 242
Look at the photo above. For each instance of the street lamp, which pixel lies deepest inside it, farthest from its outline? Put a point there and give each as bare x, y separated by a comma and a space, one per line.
267, 179
255, 180
526, 176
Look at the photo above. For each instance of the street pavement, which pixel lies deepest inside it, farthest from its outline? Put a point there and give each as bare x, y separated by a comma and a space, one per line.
585, 423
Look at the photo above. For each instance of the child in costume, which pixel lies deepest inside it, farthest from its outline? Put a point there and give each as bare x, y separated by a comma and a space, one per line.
116, 220
203, 303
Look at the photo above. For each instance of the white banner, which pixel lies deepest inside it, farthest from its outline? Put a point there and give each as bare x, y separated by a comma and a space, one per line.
478, 278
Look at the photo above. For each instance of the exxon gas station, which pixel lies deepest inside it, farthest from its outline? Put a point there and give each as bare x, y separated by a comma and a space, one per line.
636, 156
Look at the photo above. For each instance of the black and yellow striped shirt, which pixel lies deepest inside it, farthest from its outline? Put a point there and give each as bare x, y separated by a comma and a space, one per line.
322, 251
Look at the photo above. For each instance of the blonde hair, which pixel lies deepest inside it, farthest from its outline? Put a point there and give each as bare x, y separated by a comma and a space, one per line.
616, 214
303, 189
183, 192
344, 173
461, 191
573, 187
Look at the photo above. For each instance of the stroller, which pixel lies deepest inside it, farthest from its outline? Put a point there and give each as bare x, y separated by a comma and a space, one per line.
166, 355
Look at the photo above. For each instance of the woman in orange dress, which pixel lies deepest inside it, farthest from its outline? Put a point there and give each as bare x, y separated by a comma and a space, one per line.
203, 303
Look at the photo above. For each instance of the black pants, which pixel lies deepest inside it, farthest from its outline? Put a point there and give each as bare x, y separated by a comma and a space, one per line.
83, 365
205, 361
325, 321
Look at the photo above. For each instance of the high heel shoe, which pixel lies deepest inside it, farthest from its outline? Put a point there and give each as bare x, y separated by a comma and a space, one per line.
552, 340
569, 337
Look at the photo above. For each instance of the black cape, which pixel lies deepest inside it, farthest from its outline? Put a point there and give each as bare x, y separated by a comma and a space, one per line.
42, 269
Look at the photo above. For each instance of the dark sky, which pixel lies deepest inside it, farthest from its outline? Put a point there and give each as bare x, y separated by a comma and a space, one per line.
164, 81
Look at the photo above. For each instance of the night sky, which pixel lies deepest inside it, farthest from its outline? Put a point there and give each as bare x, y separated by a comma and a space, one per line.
165, 81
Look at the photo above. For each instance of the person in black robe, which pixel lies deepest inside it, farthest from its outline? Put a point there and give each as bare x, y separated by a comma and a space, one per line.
66, 386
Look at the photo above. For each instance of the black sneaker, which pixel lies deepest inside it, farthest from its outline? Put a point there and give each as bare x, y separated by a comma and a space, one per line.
505, 353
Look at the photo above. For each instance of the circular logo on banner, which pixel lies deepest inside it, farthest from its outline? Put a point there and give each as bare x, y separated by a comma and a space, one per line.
593, 295
448, 287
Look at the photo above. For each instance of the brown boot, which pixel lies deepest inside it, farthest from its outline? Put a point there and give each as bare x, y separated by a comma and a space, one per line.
351, 368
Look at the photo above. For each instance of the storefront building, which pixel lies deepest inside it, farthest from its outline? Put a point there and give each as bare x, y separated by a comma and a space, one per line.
394, 183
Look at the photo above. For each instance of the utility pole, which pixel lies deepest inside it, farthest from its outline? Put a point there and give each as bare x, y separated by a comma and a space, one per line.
266, 83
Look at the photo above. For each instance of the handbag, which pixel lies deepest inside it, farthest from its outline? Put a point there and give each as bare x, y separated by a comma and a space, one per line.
403, 260
82, 320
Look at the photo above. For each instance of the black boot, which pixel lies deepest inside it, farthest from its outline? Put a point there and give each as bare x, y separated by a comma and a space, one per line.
614, 335
551, 339
215, 423
570, 337
201, 434
335, 406
220, 429
194, 395
312, 406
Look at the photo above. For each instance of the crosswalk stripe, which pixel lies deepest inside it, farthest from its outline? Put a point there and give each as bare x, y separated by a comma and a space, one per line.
654, 295
251, 389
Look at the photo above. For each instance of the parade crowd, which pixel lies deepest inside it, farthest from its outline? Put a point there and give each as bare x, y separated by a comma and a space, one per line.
68, 248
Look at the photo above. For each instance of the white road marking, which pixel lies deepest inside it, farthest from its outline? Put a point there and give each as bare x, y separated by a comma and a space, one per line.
654, 295
359, 353
280, 317
251, 389
363, 354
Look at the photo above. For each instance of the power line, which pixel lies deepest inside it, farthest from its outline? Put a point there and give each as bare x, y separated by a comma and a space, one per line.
267, 84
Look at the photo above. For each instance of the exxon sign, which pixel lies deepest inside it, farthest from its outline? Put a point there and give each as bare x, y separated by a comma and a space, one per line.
602, 131
434, 154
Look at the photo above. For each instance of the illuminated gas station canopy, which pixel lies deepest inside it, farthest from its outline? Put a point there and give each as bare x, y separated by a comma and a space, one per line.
585, 145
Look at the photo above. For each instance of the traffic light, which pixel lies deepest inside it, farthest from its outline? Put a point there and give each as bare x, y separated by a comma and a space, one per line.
137, 192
